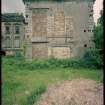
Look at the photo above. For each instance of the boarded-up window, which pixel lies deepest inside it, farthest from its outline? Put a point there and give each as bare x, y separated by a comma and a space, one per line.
7, 29
61, 52
39, 20
39, 50
69, 26
59, 22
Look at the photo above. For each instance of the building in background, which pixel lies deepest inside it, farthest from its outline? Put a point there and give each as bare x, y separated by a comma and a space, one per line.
58, 28
12, 33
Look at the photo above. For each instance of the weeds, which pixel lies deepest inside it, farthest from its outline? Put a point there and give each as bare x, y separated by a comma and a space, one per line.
19, 75
34, 95
21, 63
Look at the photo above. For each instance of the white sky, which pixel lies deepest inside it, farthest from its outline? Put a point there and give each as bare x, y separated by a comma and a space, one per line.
18, 6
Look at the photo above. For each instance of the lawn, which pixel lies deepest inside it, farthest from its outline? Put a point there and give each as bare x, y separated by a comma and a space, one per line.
23, 86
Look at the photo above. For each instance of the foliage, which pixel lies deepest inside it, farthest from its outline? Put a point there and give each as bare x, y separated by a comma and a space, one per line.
89, 61
93, 58
98, 37
97, 54
18, 54
17, 80
98, 33
34, 95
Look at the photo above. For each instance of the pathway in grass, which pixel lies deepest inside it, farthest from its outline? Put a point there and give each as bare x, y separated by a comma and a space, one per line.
74, 92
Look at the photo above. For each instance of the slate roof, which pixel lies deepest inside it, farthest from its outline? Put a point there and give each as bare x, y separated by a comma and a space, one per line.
12, 17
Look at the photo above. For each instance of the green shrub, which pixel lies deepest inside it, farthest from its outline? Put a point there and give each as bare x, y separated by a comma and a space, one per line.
93, 58
90, 60
18, 54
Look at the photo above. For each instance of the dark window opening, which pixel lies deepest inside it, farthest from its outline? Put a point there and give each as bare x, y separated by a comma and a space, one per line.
26, 16
17, 30
101, 52
27, 4
90, 15
26, 23
84, 30
7, 29
17, 37
2, 53
85, 45
89, 30
27, 36
91, 11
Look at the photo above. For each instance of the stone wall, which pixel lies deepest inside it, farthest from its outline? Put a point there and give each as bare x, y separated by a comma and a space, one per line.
65, 26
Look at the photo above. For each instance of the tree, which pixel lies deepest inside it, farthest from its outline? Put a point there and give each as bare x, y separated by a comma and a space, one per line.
95, 56
99, 40
98, 33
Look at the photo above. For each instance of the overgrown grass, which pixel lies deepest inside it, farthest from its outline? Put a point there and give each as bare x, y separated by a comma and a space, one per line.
21, 63
24, 81
35, 95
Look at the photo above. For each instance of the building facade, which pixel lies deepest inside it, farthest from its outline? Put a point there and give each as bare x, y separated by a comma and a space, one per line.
59, 29
13, 31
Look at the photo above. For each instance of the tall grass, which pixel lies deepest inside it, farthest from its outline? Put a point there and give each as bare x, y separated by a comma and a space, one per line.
34, 95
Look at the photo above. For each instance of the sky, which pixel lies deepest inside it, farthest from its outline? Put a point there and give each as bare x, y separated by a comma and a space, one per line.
18, 6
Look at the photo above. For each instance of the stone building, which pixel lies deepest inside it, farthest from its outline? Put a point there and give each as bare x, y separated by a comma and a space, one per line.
12, 33
58, 28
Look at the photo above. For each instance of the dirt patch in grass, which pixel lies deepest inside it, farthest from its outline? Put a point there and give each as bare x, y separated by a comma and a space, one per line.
74, 92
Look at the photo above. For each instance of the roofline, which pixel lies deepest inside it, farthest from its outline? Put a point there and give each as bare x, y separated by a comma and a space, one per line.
55, 0
3, 19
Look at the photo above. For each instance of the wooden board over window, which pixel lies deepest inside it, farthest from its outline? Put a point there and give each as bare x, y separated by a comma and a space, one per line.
59, 23
39, 50
61, 52
39, 22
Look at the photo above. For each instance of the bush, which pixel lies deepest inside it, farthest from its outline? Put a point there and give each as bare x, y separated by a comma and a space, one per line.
93, 58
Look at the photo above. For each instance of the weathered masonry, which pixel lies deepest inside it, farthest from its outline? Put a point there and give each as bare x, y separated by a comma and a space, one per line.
60, 29
12, 33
